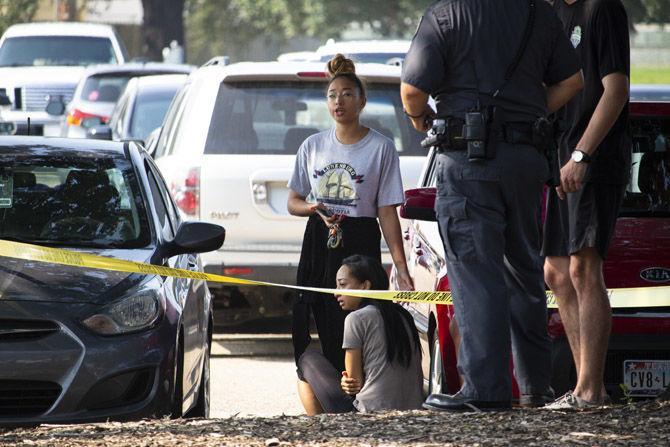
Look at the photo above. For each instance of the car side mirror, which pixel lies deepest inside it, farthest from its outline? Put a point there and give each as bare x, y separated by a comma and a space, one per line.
195, 237
102, 132
419, 204
4, 100
55, 105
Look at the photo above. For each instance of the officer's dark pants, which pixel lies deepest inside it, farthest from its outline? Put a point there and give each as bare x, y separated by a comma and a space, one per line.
488, 215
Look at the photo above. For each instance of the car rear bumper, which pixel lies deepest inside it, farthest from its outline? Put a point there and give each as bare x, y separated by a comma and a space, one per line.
621, 348
235, 305
70, 374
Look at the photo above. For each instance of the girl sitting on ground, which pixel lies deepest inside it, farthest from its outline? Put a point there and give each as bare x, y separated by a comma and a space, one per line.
382, 352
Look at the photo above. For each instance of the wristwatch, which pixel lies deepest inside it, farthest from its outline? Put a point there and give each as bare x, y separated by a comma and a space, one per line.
580, 156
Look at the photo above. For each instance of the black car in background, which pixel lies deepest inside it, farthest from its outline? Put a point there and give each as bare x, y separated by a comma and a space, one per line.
140, 109
81, 344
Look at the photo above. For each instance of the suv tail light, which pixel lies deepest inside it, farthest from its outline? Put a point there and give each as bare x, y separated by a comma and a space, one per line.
77, 118
186, 192
312, 74
443, 284
555, 324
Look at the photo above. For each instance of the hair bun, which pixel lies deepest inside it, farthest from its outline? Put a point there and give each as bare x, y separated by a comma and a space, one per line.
340, 64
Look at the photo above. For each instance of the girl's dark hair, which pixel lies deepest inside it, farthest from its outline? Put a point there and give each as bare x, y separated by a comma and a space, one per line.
342, 67
398, 323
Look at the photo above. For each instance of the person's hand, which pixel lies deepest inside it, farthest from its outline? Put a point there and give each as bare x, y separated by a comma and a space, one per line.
424, 122
403, 280
572, 176
323, 212
349, 385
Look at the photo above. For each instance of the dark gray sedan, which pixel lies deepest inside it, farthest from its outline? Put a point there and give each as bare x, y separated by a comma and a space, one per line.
81, 344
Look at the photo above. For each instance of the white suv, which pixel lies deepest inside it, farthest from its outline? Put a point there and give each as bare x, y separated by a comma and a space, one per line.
227, 149
371, 51
41, 61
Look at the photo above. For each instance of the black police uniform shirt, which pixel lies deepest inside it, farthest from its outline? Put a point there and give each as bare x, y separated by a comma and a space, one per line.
598, 29
462, 47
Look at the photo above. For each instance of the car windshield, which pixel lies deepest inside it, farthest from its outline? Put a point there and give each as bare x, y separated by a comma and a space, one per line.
648, 192
104, 87
148, 114
56, 50
276, 117
58, 198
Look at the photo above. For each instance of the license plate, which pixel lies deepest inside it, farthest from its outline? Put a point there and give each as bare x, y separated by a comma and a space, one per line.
646, 377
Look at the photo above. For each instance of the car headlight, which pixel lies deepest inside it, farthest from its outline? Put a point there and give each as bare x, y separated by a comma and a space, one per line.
132, 314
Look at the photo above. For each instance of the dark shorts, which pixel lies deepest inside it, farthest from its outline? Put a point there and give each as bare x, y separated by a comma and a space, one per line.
324, 379
585, 219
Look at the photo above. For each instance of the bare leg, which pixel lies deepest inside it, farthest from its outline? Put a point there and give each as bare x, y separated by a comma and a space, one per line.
595, 322
557, 276
308, 399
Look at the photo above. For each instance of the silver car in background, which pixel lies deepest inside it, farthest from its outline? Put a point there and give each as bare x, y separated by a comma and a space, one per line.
140, 109
98, 91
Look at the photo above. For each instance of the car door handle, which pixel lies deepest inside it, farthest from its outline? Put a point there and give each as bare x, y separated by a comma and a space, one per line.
259, 192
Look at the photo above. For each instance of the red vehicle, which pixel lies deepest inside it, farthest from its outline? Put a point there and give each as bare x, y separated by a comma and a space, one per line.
638, 359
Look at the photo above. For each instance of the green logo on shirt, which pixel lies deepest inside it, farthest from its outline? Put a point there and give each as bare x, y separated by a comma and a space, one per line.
576, 36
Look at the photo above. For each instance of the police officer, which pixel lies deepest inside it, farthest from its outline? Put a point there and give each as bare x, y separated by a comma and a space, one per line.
494, 68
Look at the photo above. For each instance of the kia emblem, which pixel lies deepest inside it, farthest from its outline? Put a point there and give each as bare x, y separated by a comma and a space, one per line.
655, 274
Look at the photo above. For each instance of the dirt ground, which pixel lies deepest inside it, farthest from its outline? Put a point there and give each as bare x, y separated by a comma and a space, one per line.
637, 424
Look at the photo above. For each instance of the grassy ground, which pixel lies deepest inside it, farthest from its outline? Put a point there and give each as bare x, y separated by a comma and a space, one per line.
650, 75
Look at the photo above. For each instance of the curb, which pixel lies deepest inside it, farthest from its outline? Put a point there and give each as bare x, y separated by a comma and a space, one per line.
254, 345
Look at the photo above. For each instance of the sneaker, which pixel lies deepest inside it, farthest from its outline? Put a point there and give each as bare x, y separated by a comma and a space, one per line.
570, 402
535, 400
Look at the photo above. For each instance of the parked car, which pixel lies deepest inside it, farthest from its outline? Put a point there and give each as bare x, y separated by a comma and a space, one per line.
369, 51
80, 344
638, 359
140, 109
45, 60
98, 91
227, 149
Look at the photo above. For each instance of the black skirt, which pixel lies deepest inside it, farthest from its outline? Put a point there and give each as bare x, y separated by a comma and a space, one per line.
318, 268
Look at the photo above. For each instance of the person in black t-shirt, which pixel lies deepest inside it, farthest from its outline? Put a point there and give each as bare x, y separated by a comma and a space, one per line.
595, 152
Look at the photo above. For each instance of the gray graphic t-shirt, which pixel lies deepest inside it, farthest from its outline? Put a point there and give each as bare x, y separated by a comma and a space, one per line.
350, 179
386, 386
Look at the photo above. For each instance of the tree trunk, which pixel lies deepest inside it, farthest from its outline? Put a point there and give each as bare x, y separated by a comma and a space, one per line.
163, 23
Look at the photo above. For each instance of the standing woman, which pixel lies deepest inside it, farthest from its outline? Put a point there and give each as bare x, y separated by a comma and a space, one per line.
353, 173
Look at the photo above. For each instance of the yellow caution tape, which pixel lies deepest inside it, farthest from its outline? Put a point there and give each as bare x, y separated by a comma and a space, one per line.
658, 296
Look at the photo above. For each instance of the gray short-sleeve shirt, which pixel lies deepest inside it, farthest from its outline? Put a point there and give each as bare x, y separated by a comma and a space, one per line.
350, 179
387, 386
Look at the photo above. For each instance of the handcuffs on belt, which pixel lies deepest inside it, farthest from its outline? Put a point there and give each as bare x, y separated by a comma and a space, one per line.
334, 230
